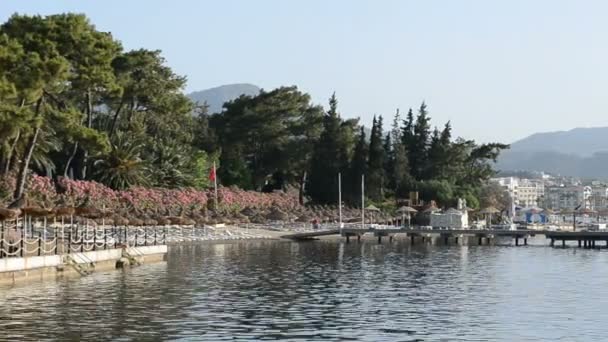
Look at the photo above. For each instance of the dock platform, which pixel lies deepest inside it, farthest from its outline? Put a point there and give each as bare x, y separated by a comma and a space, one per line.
585, 239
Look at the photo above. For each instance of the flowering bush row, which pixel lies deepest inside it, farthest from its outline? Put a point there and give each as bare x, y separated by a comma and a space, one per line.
41, 191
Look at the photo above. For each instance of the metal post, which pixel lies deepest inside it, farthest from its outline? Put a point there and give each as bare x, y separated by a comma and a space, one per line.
56, 242
39, 243
2, 241
22, 238
340, 201
362, 201
95, 238
69, 242
105, 238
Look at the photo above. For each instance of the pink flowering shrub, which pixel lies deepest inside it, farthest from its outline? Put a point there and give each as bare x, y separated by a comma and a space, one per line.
42, 192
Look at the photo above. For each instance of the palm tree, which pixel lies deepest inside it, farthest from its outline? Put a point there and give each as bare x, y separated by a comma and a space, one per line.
123, 167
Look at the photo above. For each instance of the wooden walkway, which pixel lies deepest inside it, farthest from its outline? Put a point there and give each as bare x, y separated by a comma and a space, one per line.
584, 238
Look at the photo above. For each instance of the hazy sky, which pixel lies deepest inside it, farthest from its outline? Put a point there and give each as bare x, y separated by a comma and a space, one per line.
500, 70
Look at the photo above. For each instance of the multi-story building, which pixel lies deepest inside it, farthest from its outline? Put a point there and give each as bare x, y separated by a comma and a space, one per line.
571, 197
524, 192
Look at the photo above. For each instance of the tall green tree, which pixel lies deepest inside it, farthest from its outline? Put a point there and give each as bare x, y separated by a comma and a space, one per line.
274, 132
328, 158
357, 168
418, 148
375, 166
43, 73
399, 168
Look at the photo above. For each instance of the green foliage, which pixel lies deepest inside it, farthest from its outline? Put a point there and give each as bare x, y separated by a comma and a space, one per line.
272, 132
357, 168
123, 166
72, 100
330, 157
374, 182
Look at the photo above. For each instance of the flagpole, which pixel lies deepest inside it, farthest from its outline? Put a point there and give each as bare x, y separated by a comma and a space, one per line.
215, 186
340, 200
363, 201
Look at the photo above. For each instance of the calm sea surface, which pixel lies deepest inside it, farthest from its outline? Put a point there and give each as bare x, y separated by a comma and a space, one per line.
325, 290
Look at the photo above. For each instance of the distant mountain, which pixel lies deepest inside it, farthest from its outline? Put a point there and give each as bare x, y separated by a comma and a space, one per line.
216, 97
580, 152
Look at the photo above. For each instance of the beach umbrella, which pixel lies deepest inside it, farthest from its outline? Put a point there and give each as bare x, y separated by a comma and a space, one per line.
488, 212
372, 208
409, 211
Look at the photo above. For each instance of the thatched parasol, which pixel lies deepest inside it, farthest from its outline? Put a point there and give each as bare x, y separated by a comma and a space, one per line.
64, 211
36, 212
150, 222
488, 212
409, 211
9, 214
134, 221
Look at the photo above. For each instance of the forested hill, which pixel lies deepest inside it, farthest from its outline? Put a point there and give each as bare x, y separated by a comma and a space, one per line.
216, 97
580, 152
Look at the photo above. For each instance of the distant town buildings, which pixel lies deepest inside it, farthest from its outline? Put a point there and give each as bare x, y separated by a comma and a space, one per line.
593, 197
555, 193
524, 192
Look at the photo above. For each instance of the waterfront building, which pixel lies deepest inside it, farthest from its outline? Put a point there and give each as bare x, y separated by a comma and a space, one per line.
451, 218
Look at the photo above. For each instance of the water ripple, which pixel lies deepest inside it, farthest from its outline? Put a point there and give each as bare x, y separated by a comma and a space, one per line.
324, 290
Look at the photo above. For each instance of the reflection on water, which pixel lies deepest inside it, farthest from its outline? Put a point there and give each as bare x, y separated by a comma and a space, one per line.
325, 290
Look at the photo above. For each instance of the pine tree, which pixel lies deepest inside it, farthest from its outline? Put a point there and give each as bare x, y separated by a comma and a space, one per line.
434, 162
407, 134
389, 162
327, 160
358, 167
375, 174
418, 148
399, 171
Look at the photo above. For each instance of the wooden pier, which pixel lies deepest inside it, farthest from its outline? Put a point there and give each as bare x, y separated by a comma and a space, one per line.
586, 239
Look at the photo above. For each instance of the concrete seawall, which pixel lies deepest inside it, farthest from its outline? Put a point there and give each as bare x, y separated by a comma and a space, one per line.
13, 270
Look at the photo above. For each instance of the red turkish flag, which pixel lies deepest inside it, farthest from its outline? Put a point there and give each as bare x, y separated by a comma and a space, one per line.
212, 173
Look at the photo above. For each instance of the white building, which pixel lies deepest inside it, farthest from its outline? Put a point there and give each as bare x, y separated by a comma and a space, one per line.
451, 218
524, 192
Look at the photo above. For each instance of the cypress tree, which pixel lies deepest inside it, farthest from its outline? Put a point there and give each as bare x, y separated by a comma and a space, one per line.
418, 148
327, 158
358, 167
434, 156
407, 134
375, 174
399, 171
389, 162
